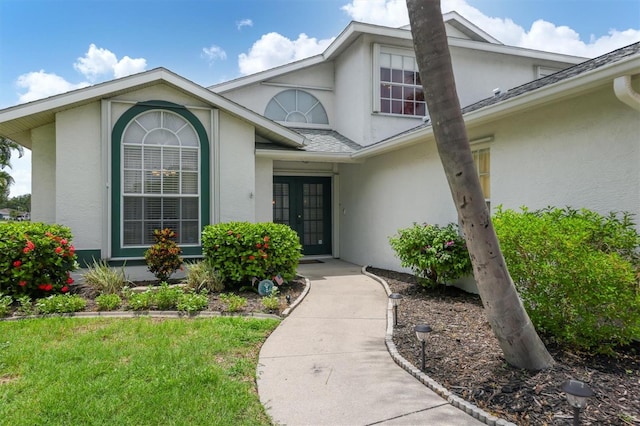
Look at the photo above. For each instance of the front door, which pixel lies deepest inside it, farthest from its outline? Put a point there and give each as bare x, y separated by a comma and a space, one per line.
304, 203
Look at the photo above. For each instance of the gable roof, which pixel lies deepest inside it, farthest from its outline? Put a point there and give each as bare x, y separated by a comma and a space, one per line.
568, 82
478, 40
16, 121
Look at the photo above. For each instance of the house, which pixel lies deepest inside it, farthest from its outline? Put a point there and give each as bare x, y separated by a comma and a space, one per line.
338, 145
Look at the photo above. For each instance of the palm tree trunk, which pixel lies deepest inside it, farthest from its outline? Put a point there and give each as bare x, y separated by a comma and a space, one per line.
518, 339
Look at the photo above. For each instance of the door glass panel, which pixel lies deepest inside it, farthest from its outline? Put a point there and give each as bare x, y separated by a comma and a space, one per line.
313, 194
281, 203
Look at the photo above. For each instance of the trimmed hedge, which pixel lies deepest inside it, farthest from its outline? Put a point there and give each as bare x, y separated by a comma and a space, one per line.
240, 251
36, 259
577, 273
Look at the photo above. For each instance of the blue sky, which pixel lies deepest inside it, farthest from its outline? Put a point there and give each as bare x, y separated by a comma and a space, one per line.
52, 46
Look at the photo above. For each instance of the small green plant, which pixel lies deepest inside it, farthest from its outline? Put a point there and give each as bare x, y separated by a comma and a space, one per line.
166, 297
272, 301
192, 302
577, 273
5, 304
233, 301
140, 301
202, 275
61, 303
103, 279
108, 302
164, 257
435, 254
239, 251
25, 305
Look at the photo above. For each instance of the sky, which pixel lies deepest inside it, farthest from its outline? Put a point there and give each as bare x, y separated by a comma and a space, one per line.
53, 46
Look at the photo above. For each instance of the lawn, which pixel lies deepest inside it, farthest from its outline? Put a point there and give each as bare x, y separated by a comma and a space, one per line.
139, 371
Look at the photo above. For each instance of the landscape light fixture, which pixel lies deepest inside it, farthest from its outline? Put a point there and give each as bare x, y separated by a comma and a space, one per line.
577, 394
422, 331
395, 301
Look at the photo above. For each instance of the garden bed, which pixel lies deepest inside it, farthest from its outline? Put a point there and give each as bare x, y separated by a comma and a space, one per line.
464, 356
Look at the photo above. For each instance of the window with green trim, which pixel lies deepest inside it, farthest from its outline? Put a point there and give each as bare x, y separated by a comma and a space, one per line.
160, 184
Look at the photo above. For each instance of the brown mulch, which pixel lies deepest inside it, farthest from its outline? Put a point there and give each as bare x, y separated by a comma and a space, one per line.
463, 355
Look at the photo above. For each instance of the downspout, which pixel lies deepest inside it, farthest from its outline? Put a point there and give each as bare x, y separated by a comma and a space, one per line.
625, 93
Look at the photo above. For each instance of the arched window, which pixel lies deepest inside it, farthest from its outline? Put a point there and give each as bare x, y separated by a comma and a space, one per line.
163, 175
296, 106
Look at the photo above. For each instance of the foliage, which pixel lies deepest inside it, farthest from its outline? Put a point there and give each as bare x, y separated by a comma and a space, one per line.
272, 301
6, 148
108, 302
60, 303
192, 302
35, 258
169, 372
5, 304
101, 278
164, 257
436, 255
166, 297
577, 273
240, 251
233, 301
140, 301
202, 276
20, 203
25, 305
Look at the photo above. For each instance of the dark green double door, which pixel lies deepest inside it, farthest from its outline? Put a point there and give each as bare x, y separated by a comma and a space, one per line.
304, 203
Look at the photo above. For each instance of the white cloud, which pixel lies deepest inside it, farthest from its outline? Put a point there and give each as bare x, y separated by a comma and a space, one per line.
542, 35
98, 62
213, 53
244, 23
21, 173
42, 85
274, 49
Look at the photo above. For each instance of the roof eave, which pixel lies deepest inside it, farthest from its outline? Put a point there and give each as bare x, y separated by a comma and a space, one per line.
312, 157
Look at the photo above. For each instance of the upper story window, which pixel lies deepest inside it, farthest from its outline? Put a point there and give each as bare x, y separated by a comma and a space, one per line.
296, 106
399, 88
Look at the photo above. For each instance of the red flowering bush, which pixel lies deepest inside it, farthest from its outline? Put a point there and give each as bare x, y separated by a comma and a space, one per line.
164, 257
240, 251
36, 259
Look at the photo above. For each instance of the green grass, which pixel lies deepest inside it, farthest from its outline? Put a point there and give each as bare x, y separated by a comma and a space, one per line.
140, 371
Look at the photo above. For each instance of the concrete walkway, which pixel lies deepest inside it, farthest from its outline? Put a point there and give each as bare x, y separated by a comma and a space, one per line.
327, 363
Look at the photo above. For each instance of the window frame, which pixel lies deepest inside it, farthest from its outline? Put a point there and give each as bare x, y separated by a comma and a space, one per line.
379, 49
118, 250
476, 148
307, 114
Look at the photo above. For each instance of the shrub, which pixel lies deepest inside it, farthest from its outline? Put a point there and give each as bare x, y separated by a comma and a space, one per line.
163, 258
576, 272
233, 301
192, 302
140, 301
103, 279
240, 251
25, 305
436, 255
166, 297
5, 304
108, 302
35, 258
203, 276
61, 303
272, 301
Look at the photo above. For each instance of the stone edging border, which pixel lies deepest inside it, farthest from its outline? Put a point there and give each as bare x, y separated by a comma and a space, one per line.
456, 401
170, 314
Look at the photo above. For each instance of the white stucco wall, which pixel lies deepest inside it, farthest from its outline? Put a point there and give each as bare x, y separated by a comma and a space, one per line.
580, 153
43, 174
80, 188
386, 193
264, 190
237, 170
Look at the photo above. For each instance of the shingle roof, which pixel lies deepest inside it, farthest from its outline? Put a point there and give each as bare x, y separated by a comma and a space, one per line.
608, 58
321, 140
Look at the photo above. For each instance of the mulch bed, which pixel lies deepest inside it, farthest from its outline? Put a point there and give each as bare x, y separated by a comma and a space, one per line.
463, 355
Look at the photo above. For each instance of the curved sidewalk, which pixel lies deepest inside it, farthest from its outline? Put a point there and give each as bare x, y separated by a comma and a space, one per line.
327, 363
